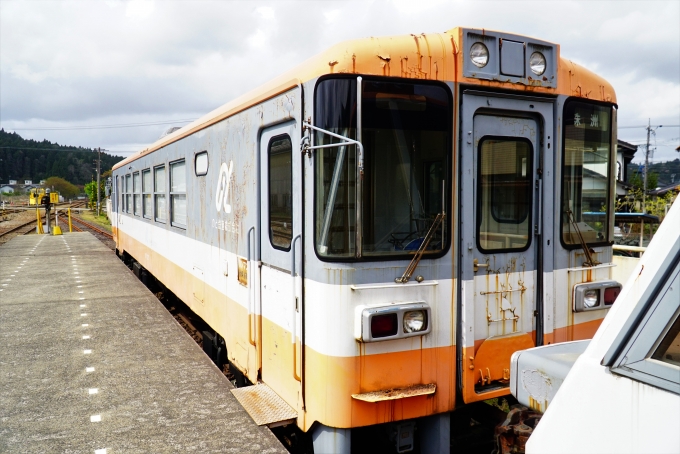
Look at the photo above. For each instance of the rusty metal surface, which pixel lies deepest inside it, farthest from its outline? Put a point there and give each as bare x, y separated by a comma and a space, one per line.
264, 405
397, 393
513, 433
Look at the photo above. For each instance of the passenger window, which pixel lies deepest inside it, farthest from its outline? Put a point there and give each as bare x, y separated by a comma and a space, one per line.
147, 209
159, 194
128, 190
280, 192
178, 196
504, 194
136, 197
201, 163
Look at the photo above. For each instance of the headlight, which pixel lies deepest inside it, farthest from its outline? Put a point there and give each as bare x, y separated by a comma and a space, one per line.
537, 63
590, 298
479, 55
415, 321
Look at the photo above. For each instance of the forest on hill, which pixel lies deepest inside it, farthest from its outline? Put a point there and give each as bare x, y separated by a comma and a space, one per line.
666, 172
25, 159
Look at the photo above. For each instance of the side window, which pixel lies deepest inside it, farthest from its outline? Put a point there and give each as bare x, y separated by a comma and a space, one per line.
504, 194
280, 192
147, 209
648, 347
128, 190
136, 189
159, 193
178, 196
201, 163
116, 199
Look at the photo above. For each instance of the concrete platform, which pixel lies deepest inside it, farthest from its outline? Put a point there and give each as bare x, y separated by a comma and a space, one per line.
91, 362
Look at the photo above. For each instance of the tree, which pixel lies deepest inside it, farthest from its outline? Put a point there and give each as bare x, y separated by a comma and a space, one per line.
637, 180
67, 189
91, 191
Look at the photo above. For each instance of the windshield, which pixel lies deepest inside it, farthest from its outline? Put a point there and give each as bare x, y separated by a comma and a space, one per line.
406, 138
586, 172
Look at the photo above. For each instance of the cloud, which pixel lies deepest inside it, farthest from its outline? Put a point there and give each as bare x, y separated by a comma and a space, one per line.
79, 62
139, 9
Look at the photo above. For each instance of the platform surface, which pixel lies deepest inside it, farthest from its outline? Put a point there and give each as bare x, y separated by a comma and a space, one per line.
91, 362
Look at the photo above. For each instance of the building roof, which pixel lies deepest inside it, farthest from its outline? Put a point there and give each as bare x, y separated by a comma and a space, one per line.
628, 149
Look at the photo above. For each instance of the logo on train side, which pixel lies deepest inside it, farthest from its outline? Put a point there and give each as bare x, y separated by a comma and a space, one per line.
223, 184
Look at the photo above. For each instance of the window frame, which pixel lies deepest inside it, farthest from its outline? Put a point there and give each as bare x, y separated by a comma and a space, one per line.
650, 321
172, 194
157, 194
269, 191
610, 176
128, 195
478, 190
449, 158
148, 192
136, 193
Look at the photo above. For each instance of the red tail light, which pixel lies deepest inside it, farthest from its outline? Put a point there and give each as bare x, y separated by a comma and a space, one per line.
384, 325
610, 295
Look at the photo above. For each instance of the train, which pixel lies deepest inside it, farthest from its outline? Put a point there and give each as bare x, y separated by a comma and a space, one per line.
372, 234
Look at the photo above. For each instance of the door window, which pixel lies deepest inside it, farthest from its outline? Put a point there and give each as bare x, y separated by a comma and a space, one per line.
280, 192
504, 196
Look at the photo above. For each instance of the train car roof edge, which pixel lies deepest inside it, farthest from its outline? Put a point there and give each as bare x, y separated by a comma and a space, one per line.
434, 56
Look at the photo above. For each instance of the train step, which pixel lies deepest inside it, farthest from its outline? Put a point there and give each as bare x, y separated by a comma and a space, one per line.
265, 406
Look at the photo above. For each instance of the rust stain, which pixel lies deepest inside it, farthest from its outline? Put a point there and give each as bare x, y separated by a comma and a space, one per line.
396, 393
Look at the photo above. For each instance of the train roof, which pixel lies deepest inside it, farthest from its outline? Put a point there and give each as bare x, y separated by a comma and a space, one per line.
432, 56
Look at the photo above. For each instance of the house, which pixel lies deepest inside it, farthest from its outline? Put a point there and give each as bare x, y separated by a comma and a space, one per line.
28, 182
13, 182
625, 152
7, 188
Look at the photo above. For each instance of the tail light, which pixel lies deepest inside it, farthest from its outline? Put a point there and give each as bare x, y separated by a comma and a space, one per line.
384, 325
610, 295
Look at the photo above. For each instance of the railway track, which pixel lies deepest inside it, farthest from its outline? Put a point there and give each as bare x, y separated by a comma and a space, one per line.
23, 229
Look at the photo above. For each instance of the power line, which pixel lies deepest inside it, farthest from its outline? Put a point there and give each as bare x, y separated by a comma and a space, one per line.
644, 126
66, 149
110, 126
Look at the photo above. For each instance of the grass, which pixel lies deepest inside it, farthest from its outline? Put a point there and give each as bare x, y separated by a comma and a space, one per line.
91, 216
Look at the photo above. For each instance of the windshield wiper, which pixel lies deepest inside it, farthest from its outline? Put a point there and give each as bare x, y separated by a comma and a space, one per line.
421, 250
589, 258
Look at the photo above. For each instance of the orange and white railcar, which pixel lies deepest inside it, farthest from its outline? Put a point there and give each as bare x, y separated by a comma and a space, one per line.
375, 232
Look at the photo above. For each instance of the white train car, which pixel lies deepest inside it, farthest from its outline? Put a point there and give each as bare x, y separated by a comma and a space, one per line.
374, 233
622, 394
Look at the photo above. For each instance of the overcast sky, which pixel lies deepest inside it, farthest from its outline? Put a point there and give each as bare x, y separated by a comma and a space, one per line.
74, 64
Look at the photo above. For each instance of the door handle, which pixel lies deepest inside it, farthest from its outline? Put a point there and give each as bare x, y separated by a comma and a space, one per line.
476, 265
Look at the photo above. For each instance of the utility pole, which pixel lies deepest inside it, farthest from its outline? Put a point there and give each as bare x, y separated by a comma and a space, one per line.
99, 163
644, 183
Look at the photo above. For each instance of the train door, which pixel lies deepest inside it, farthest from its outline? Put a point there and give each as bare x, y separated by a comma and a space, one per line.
502, 155
280, 283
